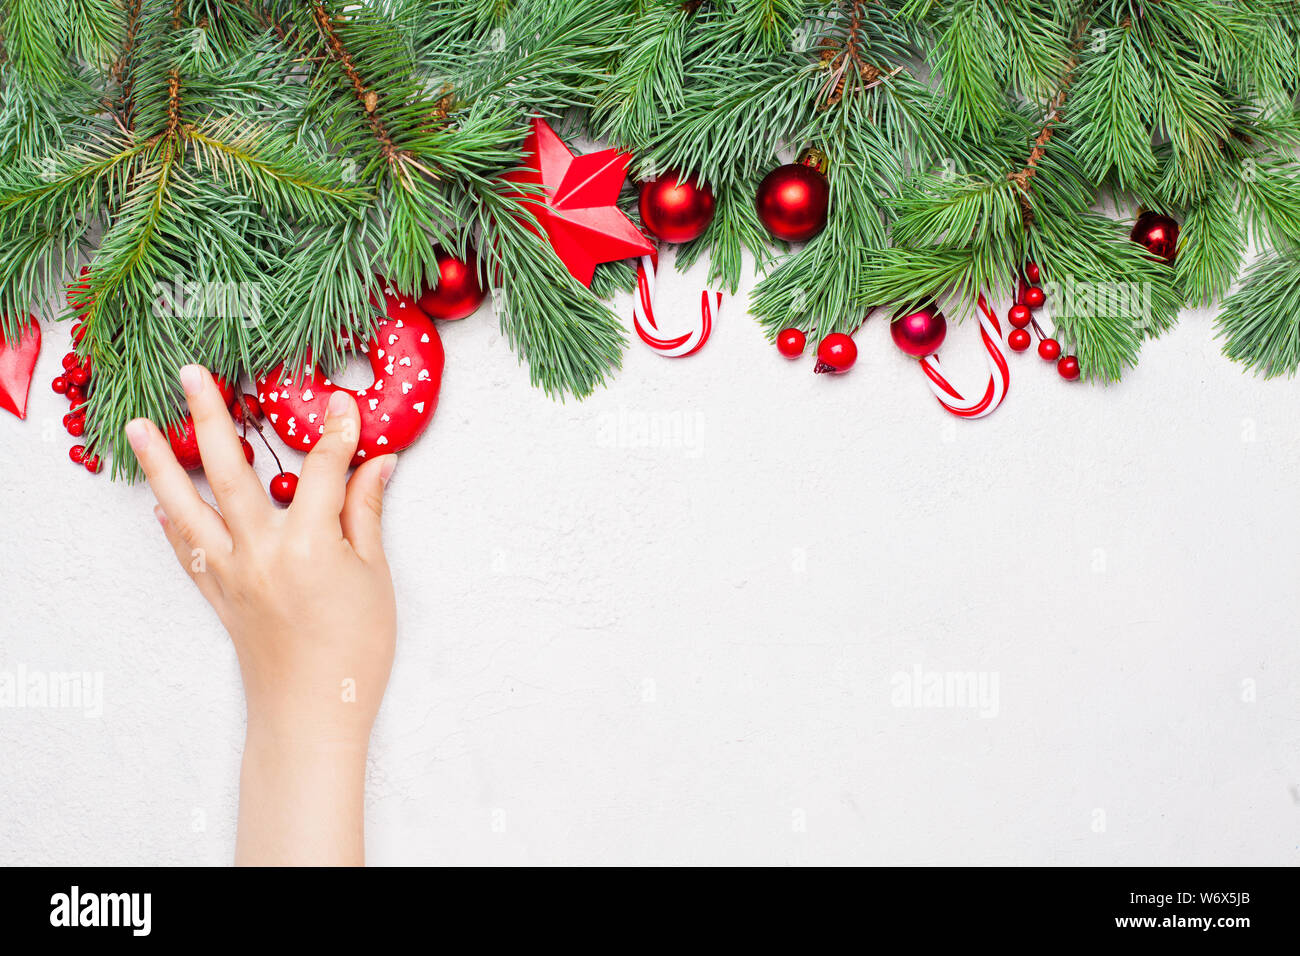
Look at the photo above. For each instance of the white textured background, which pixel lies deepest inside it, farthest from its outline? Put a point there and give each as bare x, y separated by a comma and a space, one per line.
664, 625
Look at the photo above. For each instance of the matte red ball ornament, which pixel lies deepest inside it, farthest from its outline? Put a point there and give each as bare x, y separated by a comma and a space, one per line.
1049, 349
1019, 316
1158, 234
1068, 368
794, 201
920, 333
185, 444
791, 343
459, 292
1035, 297
1019, 340
836, 353
406, 358
284, 486
676, 208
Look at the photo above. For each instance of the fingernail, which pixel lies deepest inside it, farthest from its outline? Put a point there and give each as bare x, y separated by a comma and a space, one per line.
386, 472
192, 379
338, 404
160, 515
137, 433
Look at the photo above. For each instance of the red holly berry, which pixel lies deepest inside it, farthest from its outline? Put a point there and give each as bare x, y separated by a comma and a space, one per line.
60, 385
791, 343
283, 487
248, 449
78, 333
1033, 273
76, 394
1020, 316
79, 376
185, 444
228, 392
836, 353
70, 360
92, 464
1068, 368
1035, 297
248, 407
1049, 349
1018, 340
77, 427
77, 453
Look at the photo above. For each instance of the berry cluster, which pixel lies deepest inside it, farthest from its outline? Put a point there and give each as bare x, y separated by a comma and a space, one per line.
75, 385
835, 354
1030, 296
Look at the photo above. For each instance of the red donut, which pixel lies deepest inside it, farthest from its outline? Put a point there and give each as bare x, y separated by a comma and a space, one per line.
406, 357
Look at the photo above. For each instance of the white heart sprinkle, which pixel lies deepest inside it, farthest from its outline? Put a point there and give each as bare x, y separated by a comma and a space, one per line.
406, 361
381, 440
312, 418
392, 339
275, 396
399, 321
374, 403
423, 376
384, 417
362, 453
379, 353
419, 407
424, 337
307, 396
406, 387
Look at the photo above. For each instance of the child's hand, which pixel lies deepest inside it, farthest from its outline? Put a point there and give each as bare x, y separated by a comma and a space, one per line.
306, 596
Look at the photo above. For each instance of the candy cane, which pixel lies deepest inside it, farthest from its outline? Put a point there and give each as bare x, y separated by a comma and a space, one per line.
999, 373
644, 317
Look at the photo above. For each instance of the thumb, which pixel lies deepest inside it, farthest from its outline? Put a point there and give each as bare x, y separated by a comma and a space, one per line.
363, 507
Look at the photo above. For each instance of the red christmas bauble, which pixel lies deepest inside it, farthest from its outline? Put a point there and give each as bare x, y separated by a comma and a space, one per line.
1019, 316
459, 292
676, 208
1068, 368
185, 444
921, 333
1035, 297
1158, 234
1049, 349
836, 353
793, 202
791, 343
1019, 340
284, 486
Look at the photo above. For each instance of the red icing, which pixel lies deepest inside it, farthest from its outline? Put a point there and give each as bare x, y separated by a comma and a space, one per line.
406, 357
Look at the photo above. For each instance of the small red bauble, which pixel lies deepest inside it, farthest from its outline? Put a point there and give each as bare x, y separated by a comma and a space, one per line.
459, 291
1035, 297
1019, 316
92, 464
248, 449
185, 444
1068, 368
920, 333
1049, 349
77, 453
791, 343
284, 486
1033, 273
77, 427
79, 376
60, 385
1158, 234
676, 208
1018, 340
70, 360
794, 201
836, 353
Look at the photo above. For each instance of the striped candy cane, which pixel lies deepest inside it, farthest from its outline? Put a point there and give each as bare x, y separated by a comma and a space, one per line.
644, 317
999, 373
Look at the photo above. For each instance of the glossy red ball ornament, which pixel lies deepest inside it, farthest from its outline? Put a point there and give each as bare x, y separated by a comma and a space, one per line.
1158, 234
92, 464
284, 486
794, 201
77, 453
459, 292
920, 333
1068, 368
1033, 273
1018, 340
185, 444
1049, 349
1035, 297
248, 449
676, 208
791, 343
836, 353
60, 385
1019, 316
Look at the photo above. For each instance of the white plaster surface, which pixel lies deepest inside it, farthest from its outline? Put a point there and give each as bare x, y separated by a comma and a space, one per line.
666, 625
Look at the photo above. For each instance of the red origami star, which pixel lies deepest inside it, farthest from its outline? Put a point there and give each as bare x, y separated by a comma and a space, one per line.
580, 213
